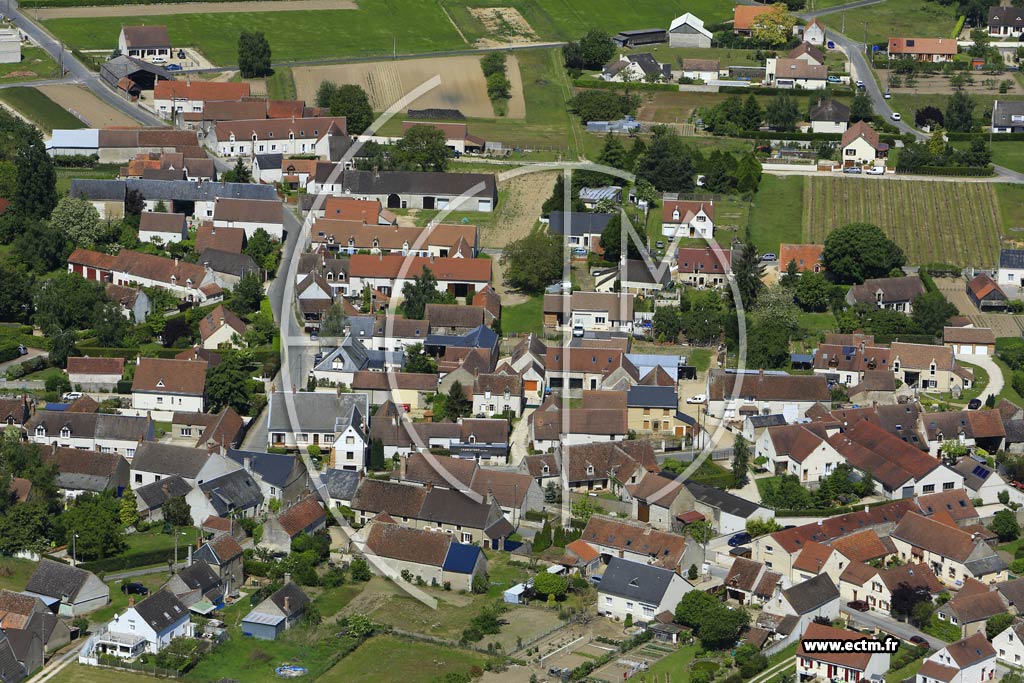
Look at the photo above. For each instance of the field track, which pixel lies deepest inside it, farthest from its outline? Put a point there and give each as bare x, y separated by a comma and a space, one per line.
933, 222
191, 8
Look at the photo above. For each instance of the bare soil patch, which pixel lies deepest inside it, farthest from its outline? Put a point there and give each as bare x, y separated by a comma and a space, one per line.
462, 87
77, 99
505, 25
194, 8
937, 84
520, 208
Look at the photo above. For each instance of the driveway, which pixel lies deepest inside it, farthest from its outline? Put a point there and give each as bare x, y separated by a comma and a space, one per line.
995, 373
520, 435
889, 625
32, 353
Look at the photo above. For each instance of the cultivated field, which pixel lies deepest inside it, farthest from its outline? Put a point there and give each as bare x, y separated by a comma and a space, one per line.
39, 109
463, 86
921, 18
194, 8
92, 109
933, 222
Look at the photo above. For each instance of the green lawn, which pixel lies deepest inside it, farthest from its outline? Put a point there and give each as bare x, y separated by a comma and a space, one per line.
14, 573
502, 575
908, 104
332, 601
81, 673
776, 215
44, 375
816, 323
1011, 209
394, 659
155, 540
1008, 154
766, 484
100, 171
699, 358
119, 601
39, 108
908, 671
524, 318
676, 666
919, 18
281, 84
34, 60
725, 56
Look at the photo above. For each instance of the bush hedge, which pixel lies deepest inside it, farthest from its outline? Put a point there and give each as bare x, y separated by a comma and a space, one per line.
815, 137
76, 160
996, 137
8, 351
591, 82
131, 560
941, 269
960, 171
959, 26
775, 92
126, 352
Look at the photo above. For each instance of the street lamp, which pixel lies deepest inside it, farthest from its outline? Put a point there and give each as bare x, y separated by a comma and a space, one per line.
176, 534
74, 549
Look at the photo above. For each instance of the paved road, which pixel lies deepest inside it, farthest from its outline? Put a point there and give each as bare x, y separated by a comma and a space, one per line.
77, 71
32, 353
120, 576
57, 664
995, 373
889, 625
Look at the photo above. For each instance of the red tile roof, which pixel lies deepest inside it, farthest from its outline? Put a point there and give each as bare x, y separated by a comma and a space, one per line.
743, 16
222, 239
301, 515
806, 256
860, 130
200, 90
922, 46
163, 375
444, 269
857, 661
95, 366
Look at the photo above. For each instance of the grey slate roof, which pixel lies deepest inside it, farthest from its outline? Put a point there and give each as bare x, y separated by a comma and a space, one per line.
635, 581
830, 110
652, 397
454, 507
811, 594
268, 161
297, 600
273, 468
317, 412
161, 610
578, 223
232, 491
11, 670
168, 190
156, 494
163, 458
350, 356
722, 500
55, 579
95, 425
986, 565
341, 484
1004, 110
1011, 258
228, 263
199, 576
409, 182
758, 421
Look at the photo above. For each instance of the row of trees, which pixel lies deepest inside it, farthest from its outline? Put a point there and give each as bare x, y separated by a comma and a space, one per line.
938, 152
348, 100
422, 148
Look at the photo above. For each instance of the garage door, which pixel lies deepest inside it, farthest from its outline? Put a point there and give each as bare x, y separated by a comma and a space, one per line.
485, 205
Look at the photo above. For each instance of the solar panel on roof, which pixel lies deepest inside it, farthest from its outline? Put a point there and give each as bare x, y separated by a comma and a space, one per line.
980, 472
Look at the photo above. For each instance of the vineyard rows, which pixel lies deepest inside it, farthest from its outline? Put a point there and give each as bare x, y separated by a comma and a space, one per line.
934, 222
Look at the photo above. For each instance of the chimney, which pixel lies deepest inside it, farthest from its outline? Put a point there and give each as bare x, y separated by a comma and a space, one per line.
247, 464
287, 578
131, 601
489, 498
819, 522
175, 261
401, 467
287, 604
429, 486
189, 564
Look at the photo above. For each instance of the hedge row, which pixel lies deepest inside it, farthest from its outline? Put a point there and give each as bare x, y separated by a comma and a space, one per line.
76, 160
813, 137
996, 137
128, 353
835, 89
131, 560
959, 26
596, 83
105, 3
9, 351
960, 171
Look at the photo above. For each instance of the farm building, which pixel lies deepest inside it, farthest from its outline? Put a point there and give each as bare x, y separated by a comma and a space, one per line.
688, 31
967, 341
10, 46
129, 76
636, 38
456, 135
987, 294
410, 189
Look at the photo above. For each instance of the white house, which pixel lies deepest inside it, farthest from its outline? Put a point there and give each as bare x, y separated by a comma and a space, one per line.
162, 228
639, 590
148, 626
838, 666
157, 462
90, 431
287, 136
10, 46
190, 96
688, 219
169, 384
763, 393
220, 329
687, 30
333, 422
971, 660
95, 374
250, 215
860, 145
388, 273
784, 72
829, 116
1009, 645
814, 32
636, 68
706, 70
150, 43
1011, 267
801, 450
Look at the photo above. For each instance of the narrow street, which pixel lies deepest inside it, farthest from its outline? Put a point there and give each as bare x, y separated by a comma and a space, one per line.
889, 625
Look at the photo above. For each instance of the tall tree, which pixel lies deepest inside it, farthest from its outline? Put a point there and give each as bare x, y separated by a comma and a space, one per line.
92, 525
748, 270
457, 404
333, 322
775, 26
227, 384
960, 113
352, 102
702, 533
77, 220
752, 113
614, 153
740, 462
239, 173
596, 48
422, 148
376, 455
858, 251
611, 240
253, 54
931, 312
109, 324
247, 294
861, 108
36, 195
177, 512
418, 292
533, 262
782, 112
668, 163
16, 288
324, 94
41, 246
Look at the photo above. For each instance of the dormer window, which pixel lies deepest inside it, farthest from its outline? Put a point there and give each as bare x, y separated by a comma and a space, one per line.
291, 136
174, 279
376, 243
254, 137
472, 438
545, 470
270, 134
351, 241
590, 469
65, 432
675, 214
160, 384
40, 430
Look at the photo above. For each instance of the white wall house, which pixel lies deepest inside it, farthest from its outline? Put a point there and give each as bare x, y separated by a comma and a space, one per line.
167, 384
688, 219
639, 590
250, 215
267, 136
148, 626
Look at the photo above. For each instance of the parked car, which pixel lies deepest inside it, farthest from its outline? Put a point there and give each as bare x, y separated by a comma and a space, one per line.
770, 256
834, 79
181, 54
887, 95
71, 396
579, 251
158, 60
742, 538
134, 588
876, 170
697, 398
918, 640
895, 116
659, 244
173, 67
860, 84
858, 605
974, 404
577, 330
852, 169
831, 45
22, 350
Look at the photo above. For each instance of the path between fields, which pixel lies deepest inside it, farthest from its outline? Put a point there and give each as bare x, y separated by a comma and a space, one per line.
194, 8
999, 178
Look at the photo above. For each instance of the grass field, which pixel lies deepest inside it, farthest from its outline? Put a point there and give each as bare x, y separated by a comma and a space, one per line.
776, 215
523, 318
920, 18
933, 222
119, 601
378, 27
907, 104
404, 660
1008, 154
1011, 209
281, 84
14, 573
101, 171
81, 673
35, 63
39, 109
